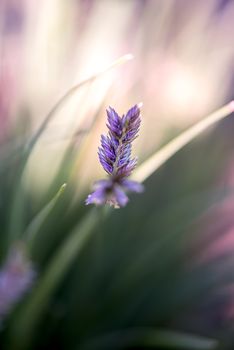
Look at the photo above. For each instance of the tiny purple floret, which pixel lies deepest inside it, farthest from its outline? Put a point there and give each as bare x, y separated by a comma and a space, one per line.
16, 277
115, 158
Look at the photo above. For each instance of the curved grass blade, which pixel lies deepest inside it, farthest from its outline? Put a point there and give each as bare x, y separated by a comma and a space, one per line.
25, 325
68, 95
16, 217
75, 241
150, 337
148, 167
37, 222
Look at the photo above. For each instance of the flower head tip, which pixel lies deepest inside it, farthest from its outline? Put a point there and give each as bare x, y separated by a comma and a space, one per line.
115, 158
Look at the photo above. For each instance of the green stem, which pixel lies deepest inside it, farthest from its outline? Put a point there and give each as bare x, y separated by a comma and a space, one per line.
149, 337
25, 324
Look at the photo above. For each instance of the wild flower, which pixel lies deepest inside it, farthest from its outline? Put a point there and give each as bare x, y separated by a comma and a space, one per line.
115, 158
16, 277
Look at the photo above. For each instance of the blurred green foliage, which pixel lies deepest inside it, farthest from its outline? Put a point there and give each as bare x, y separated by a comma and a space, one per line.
121, 279
144, 276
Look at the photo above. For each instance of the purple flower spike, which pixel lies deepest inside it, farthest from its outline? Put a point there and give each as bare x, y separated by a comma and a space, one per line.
16, 277
115, 158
